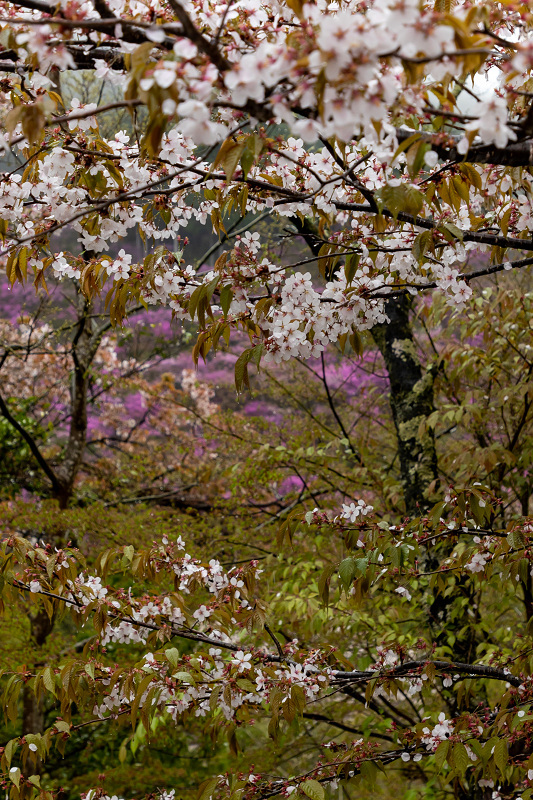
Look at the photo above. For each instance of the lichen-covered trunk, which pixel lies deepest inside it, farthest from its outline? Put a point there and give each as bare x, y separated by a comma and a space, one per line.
411, 400
411, 396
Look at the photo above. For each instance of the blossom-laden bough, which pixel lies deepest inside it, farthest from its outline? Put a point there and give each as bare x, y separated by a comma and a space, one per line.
402, 181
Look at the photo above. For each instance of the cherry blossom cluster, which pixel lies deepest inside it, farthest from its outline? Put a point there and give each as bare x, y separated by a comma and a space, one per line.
225, 672
178, 692
353, 47
352, 511
306, 320
200, 393
95, 794
36, 361
434, 736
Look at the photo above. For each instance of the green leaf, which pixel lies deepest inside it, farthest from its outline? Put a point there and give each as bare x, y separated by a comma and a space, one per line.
406, 144
312, 789
257, 352
211, 286
347, 572
185, 677
516, 539
273, 727
241, 366
440, 754
151, 141
421, 244
460, 758
361, 566
401, 198
450, 232
172, 656
241, 370
299, 697
14, 776
226, 296
253, 149
324, 582
501, 755
129, 552
195, 298
356, 343
122, 752
206, 789
9, 751
350, 266
368, 772
229, 156
415, 158
48, 680
246, 685
141, 688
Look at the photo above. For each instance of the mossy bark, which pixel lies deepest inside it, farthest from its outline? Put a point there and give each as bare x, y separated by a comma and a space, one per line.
411, 400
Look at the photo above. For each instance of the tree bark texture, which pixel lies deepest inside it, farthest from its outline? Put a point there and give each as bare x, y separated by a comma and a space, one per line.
411, 400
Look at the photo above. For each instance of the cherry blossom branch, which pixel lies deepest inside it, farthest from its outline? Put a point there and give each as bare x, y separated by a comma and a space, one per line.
507, 242
505, 266
339, 677
53, 121
421, 222
275, 640
343, 727
121, 197
515, 154
401, 670
107, 22
354, 767
232, 233
210, 49
38, 5
194, 636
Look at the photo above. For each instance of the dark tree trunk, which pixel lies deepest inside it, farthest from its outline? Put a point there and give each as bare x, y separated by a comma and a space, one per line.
411, 400
83, 351
411, 396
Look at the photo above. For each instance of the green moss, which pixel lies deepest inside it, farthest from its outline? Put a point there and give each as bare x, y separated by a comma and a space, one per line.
404, 349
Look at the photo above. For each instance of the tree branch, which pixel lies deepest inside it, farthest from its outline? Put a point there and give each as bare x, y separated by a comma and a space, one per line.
402, 670
30, 441
204, 45
516, 154
343, 727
